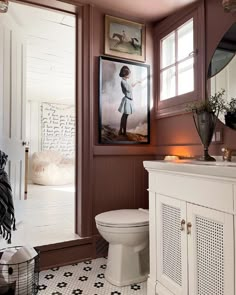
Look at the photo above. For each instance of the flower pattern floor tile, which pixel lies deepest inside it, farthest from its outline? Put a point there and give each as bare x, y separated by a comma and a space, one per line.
86, 278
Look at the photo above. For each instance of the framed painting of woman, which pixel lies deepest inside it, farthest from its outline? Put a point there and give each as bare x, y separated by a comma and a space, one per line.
124, 99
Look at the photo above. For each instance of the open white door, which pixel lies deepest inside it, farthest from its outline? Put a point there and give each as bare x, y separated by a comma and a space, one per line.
12, 101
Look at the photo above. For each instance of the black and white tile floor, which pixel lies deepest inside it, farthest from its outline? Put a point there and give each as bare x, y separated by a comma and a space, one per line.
86, 278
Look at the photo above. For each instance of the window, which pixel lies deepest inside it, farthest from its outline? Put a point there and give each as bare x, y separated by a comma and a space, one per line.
180, 62
177, 62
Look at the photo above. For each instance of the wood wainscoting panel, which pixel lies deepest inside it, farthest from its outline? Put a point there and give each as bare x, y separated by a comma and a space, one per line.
140, 184
67, 253
120, 182
101, 247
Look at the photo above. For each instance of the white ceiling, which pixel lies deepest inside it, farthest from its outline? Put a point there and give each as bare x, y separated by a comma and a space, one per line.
50, 38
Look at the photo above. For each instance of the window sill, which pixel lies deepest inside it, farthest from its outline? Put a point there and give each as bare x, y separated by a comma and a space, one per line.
175, 105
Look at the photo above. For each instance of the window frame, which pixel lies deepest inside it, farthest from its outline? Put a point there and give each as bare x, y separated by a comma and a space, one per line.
177, 104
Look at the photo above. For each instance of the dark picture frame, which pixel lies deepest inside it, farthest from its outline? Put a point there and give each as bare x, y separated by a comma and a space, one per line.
125, 39
124, 102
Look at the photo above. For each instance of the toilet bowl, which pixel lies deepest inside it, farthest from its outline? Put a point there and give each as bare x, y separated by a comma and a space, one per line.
127, 232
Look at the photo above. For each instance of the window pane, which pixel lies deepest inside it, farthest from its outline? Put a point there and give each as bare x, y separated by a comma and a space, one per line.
168, 50
185, 40
185, 76
168, 78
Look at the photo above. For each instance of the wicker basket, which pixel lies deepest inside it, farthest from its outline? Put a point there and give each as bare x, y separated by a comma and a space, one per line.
21, 278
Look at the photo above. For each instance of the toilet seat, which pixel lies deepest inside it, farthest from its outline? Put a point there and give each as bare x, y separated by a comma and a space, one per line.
124, 218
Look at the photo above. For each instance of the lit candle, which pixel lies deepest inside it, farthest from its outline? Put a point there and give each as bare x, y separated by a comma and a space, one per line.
171, 158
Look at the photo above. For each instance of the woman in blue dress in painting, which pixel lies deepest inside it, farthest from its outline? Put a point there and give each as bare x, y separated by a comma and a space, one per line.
126, 106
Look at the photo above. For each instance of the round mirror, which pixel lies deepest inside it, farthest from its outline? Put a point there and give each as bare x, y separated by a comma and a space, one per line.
222, 75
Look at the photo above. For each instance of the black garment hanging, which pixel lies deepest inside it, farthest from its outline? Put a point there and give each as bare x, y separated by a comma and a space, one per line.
7, 216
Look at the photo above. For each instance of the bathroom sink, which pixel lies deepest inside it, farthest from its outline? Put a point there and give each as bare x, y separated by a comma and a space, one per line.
216, 163
218, 168
224, 163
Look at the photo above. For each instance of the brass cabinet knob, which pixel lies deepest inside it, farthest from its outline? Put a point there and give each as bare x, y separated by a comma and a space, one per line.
182, 225
189, 226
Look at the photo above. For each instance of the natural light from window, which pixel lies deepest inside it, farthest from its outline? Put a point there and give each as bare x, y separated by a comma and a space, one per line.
177, 62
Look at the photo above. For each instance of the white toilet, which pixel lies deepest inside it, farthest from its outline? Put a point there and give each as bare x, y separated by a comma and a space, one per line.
127, 232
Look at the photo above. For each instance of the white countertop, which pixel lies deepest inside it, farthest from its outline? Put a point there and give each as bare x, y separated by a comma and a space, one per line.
217, 169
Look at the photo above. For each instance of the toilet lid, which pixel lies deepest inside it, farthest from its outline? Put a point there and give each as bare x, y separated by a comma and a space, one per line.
123, 218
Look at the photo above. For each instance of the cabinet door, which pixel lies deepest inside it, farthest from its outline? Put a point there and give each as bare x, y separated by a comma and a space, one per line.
172, 246
210, 251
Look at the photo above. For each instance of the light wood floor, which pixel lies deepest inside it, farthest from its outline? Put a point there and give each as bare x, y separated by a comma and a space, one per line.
46, 217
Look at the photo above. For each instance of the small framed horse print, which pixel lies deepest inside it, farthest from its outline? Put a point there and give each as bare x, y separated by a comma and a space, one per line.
124, 39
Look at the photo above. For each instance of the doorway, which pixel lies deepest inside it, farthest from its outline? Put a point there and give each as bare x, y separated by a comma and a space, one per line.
45, 210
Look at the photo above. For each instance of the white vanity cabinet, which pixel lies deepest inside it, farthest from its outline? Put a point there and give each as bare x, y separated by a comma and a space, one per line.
192, 232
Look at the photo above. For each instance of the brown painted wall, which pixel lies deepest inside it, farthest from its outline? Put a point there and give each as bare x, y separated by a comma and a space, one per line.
119, 179
177, 134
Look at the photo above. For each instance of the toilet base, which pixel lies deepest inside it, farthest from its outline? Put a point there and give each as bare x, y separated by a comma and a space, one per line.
127, 265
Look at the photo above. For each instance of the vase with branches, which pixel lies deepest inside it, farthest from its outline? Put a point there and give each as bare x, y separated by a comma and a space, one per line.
205, 114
